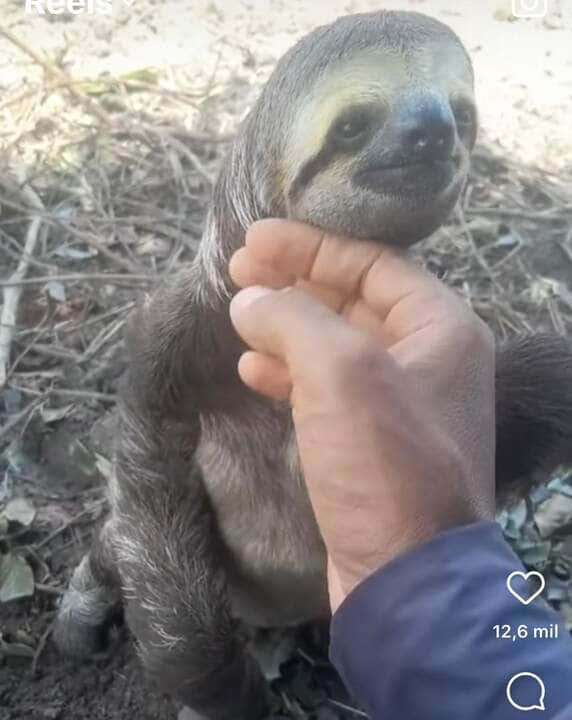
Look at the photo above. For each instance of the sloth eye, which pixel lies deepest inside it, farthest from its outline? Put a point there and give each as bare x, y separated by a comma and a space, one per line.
464, 113
465, 119
350, 127
464, 116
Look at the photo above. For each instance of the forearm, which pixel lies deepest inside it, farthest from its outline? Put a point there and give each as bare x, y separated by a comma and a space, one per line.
417, 638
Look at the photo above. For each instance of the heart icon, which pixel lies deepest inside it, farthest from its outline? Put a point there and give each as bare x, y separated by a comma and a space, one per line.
525, 577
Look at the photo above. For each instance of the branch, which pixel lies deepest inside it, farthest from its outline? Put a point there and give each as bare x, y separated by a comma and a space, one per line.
13, 290
120, 279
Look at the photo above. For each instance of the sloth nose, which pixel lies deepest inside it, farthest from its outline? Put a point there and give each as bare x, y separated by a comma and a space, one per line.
428, 132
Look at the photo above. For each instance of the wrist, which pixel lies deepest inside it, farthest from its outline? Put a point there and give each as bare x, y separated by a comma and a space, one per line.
347, 571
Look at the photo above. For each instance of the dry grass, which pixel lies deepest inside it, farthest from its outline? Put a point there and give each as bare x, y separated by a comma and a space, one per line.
509, 247
103, 201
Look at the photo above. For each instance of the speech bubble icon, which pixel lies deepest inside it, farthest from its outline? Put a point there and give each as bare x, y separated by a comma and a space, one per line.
525, 576
539, 689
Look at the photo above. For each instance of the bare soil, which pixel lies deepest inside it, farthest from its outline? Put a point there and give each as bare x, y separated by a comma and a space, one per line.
109, 689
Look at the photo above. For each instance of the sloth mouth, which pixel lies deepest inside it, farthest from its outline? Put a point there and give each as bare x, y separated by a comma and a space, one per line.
398, 178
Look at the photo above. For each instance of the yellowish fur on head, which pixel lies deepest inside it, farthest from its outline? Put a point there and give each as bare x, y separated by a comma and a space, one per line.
372, 76
361, 80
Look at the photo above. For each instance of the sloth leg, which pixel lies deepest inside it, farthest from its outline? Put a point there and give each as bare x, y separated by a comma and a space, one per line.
173, 581
92, 601
534, 411
168, 549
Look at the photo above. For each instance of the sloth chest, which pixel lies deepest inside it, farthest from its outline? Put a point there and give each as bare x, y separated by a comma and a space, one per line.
266, 521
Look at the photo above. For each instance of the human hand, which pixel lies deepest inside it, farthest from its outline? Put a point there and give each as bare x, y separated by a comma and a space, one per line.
391, 381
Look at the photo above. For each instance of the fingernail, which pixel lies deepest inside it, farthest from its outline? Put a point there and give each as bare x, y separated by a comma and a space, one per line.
246, 297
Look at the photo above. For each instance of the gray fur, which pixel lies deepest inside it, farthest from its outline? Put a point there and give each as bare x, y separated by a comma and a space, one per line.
193, 555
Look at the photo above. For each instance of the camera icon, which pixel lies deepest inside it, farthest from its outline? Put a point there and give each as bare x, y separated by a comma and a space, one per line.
529, 8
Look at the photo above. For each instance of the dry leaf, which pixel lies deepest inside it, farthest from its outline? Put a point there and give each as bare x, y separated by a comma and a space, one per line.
16, 578
21, 511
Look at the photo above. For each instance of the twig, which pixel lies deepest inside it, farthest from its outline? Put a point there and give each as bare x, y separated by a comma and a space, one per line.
16, 419
69, 523
40, 331
58, 74
17, 253
84, 394
15, 649
49, 589
195, 161
89, 238
64, 497
476, 252
43, 640
41, 374
103, 337
306, 657
72, 326
13, 287
565, 249
185, 134
99, 277
52, 351
348, 708
542, 215
66, 393
66, 327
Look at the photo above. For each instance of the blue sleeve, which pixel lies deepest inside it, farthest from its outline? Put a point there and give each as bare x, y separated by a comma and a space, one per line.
417, 640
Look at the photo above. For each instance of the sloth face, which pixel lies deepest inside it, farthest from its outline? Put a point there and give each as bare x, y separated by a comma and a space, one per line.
380, 147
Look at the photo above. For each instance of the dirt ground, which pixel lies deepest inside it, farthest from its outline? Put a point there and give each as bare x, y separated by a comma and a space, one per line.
112, 202
106, 690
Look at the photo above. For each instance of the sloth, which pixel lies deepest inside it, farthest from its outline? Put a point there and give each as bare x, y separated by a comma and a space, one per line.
365, 129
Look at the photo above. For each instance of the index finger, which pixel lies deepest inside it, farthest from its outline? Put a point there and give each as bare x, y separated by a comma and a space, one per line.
276, 251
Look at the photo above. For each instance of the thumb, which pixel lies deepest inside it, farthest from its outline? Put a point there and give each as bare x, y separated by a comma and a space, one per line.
296, 340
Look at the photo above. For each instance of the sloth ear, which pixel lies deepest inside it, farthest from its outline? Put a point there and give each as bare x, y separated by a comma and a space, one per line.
533, 411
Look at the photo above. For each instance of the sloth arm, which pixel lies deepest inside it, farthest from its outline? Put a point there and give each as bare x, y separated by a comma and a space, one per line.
166, 541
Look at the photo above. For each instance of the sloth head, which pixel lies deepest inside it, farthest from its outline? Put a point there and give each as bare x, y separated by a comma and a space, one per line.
365, 128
